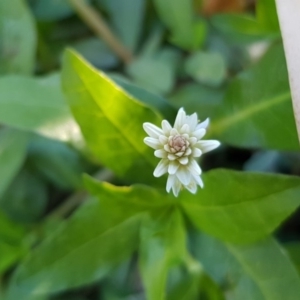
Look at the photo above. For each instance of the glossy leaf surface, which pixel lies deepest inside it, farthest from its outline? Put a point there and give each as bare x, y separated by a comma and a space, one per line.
242, 207
37, 105
110, 119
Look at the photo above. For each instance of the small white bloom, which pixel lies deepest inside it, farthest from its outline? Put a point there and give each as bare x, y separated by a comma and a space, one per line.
178, 146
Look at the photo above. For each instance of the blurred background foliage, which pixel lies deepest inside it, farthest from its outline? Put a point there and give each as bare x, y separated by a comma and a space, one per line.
223, 59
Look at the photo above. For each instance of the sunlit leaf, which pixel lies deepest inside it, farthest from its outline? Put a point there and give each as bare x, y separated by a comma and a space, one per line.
38, 105
242, 207
257, 105
17, 38
110, 119
260, 271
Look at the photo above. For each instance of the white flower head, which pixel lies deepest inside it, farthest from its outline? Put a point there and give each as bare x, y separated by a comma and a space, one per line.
179, 147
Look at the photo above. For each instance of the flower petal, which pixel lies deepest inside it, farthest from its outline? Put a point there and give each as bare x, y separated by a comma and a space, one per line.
198, 180
170, 182
192, 121
204, 124
160, 153
176, 187
152, 130
199, 133
191, 187
173, 167
184, 160
208, 145
194, 168
171, 156
188, 151
185, 129
161, 168
152, 142
163, 139
166, 127
180, 118
184, 176
197, 152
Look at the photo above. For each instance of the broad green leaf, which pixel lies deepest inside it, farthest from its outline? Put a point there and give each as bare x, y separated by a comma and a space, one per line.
153, 100
260, 271
17, 38
13, 147
100, 235
136, 197
205, 67
267, 15
126, 18
257, 105
241, 207
241, 29
198, 98
110, 119
38, 105
156, 72
26, 198
163, 245
178, 16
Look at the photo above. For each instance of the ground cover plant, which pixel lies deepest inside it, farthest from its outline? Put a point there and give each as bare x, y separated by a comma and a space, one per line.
148, 150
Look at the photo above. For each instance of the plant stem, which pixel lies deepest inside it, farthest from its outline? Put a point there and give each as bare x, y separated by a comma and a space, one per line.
94, 20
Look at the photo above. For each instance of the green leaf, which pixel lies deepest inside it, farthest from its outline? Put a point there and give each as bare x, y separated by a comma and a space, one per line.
96, 52
135, 197
11, 245
293, 249
26, 198
207, 68
257, 104
241, 207
58, 162
126, 18
178, 16
110, 119
38, 105
267, 15
241, 29
100, 235
197, 98
51, 10
153, 100
13, 146
156, 72
260, 271
17, 38
163, 245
